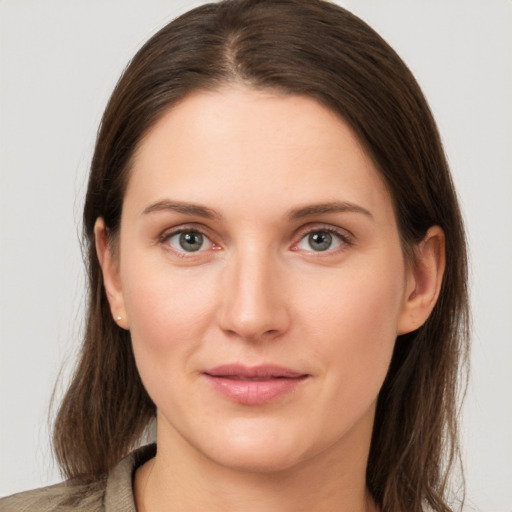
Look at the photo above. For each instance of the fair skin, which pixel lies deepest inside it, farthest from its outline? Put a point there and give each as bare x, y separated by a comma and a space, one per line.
256, 231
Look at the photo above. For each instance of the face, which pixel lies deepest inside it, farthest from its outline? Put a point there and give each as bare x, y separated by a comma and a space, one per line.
260, 273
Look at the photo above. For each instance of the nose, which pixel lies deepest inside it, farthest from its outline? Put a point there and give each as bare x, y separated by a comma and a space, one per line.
253, 304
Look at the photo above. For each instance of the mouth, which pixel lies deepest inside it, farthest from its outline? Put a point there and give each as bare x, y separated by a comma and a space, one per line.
253, 385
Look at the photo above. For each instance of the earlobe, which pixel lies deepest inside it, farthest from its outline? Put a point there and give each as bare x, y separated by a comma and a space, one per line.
109, 264
424, 279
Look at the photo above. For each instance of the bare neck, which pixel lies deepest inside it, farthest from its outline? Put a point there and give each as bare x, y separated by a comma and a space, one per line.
180, 479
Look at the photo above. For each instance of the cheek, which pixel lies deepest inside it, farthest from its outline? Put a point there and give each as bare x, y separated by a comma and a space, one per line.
168, 314
355, 326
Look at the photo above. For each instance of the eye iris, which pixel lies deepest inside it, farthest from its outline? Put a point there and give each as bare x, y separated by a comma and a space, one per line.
320, 241
191, 241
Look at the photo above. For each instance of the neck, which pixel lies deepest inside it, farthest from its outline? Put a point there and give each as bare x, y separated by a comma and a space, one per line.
182, 479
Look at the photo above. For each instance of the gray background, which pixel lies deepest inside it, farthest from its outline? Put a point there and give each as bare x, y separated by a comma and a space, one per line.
59, 61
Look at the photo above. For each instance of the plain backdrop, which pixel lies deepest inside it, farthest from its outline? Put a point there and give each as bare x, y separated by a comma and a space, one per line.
59, 61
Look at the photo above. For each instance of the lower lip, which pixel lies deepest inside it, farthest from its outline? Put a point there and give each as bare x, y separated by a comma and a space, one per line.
254, 392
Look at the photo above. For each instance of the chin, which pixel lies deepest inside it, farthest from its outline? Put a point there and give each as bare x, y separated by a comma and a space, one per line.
259, 449
265, 460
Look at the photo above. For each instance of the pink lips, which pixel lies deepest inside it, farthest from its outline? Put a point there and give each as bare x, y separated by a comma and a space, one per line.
253, 385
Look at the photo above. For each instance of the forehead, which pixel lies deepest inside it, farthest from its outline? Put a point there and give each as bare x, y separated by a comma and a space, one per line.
237, 147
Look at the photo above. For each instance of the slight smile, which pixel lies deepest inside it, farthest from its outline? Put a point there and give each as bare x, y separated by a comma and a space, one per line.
253, 385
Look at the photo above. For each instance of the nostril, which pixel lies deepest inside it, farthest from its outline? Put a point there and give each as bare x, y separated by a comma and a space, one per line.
250, 308
253, 335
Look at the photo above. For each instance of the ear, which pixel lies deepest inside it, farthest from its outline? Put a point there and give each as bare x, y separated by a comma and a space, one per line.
424, 278
109, 263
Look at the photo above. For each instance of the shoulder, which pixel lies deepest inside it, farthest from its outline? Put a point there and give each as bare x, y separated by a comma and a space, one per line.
111, 493
73, 495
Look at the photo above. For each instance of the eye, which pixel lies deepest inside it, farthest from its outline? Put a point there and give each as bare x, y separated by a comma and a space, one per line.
188, 241
321, 240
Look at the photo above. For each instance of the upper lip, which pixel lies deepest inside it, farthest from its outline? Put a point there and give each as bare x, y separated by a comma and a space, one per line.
269, 371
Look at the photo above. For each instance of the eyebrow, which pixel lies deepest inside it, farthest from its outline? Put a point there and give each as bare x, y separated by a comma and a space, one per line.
182, 207
294, 214
323, 208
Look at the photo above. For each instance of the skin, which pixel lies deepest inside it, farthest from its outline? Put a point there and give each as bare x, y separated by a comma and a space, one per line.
259, 292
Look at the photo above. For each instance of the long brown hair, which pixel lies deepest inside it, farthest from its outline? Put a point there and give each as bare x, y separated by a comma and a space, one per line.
317, 49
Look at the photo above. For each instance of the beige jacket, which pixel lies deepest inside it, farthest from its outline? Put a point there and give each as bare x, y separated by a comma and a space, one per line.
113, 493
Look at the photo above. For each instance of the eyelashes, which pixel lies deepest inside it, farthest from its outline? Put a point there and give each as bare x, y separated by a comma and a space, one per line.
193, 241
324, 239
189, 241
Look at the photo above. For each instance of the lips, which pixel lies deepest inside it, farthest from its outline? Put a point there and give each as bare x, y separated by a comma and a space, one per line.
253, 385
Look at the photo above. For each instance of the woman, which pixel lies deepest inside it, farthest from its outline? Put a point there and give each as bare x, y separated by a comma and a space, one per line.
277, 273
